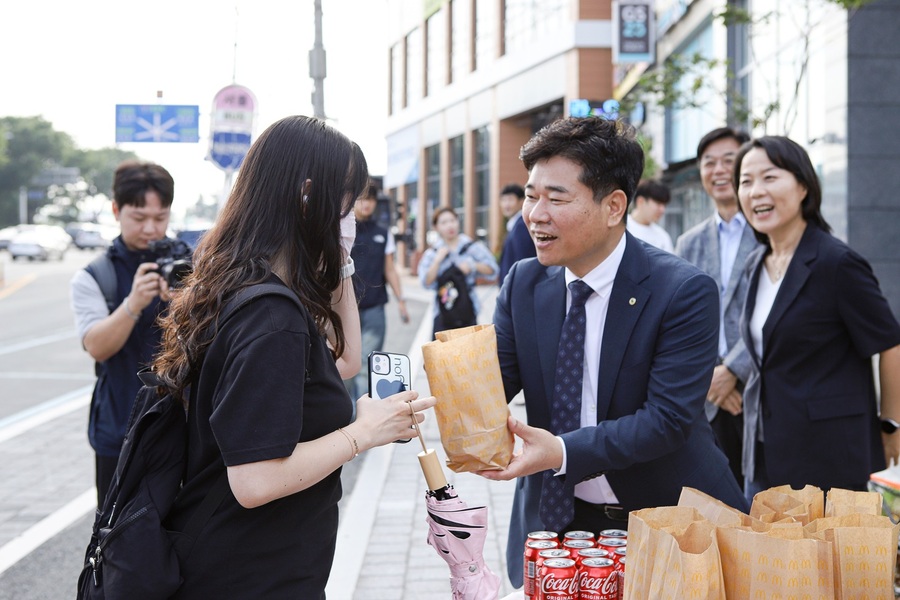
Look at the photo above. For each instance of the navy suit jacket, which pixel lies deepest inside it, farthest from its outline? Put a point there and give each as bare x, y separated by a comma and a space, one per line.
813, 386
659, 349
518, 245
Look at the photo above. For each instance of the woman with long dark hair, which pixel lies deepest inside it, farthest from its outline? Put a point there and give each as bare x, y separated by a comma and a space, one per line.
813, 319
267, 405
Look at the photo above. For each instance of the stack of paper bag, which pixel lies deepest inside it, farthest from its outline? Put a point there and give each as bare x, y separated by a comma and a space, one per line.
471, 411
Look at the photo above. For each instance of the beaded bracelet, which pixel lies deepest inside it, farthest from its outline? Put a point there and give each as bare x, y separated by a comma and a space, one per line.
354, 447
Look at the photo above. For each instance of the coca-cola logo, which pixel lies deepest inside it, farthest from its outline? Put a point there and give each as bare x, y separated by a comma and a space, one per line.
604, 585
551, 584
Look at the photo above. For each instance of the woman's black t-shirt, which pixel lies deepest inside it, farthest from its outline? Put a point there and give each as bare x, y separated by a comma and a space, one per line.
268, 382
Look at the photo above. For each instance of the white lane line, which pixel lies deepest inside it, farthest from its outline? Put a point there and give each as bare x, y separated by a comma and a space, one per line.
19, 547
358, 516
26, 420
34, 342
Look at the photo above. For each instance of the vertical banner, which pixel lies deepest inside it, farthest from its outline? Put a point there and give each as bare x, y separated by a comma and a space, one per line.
634, 38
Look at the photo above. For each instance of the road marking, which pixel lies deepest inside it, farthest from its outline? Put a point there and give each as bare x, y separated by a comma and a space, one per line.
16, 285
28, 419
19, 547
40, 341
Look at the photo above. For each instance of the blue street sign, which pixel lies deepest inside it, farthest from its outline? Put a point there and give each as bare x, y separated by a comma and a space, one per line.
157, 123
228, 149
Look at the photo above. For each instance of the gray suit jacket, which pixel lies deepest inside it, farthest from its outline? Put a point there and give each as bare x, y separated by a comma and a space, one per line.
700, 246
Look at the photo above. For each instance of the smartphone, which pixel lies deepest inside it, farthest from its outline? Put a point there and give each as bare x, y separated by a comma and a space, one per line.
389, 374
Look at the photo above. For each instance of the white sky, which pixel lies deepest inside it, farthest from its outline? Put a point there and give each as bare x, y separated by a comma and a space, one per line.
72, 61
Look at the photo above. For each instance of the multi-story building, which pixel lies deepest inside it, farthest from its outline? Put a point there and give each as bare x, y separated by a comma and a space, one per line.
470, 82
825, 76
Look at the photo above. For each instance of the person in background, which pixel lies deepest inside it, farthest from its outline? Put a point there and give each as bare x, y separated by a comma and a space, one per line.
454, 248
122, 338
613, 342
373, 256
518, 244
650, 200
267, 408
719, 246
813, 319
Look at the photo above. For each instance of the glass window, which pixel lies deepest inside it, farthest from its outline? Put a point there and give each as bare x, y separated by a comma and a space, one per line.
685, 126
457, 179
436, 26
485, 26
414, 66
433, 179
397, 79
482, 141
525, 21
460, 39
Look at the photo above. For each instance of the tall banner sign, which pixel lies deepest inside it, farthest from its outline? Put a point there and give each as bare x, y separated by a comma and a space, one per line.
231, 127
634, 38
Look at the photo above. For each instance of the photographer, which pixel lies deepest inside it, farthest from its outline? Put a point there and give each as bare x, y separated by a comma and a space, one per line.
117, 299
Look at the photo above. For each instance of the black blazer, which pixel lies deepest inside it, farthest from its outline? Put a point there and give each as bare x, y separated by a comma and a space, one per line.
659, 348
813, 387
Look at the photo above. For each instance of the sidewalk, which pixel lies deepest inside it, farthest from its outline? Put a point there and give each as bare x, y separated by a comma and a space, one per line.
382, 551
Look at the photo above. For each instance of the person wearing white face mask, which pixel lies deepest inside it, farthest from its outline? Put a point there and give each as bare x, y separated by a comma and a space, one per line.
813, 319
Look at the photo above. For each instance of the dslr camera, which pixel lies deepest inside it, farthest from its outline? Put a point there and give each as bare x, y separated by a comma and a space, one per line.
173, 258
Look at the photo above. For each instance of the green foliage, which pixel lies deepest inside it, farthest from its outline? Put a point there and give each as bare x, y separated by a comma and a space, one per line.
29, 145
650, 166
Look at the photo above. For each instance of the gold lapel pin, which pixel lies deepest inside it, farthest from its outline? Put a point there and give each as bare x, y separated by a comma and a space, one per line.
632, 302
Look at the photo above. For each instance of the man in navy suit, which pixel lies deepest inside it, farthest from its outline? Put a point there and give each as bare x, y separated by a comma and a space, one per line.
650, 331
518, 244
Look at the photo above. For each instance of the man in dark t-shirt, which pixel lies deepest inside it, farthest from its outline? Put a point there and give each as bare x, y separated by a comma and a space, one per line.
373, 255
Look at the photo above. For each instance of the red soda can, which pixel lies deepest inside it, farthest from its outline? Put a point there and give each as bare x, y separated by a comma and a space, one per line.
529, 572
576, 545
616, 533
578, 535
559, 579
584, 553
544, 555
610, 544
620, 571
542, 536
598, 580
618, 556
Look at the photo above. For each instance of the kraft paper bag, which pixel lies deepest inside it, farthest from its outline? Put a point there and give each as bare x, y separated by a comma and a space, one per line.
839, 502
864, 553
471, 411
672, 555
783, 503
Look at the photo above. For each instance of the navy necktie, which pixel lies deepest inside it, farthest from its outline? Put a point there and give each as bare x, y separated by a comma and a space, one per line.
557, 503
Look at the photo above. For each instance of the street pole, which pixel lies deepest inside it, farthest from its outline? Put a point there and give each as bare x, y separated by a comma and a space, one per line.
317, 66
23, 204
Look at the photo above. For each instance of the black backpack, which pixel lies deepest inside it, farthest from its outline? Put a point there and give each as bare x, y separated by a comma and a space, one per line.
131, 554
453, 297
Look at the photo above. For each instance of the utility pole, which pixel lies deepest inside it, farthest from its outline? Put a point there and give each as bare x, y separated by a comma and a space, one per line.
317, 66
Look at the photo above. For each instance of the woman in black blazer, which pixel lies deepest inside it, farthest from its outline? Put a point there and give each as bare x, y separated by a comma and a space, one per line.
813, 319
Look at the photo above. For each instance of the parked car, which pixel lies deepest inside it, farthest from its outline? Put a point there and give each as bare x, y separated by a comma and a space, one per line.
93, 235
40, 242
6, 236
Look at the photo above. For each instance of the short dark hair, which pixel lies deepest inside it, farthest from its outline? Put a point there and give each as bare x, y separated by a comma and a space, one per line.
607, 151
133, 179
513, 188
787, 154
654, 190
370, 193
741, 137
437, 214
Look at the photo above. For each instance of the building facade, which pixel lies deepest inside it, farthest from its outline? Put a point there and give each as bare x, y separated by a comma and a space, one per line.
470, 82
825, 76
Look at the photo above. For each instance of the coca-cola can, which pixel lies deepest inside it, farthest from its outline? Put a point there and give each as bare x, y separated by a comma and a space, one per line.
584, 553
578, 535
559, 579
616, 533
542, 536
576, 545
611, 544
621, 575
529, 567
544, 555
598, 580
618, 556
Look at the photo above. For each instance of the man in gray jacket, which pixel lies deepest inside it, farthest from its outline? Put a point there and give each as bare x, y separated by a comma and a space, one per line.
719, 246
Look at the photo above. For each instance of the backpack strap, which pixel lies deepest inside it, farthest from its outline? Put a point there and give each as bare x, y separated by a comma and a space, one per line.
465, 247
104, 273
248, 294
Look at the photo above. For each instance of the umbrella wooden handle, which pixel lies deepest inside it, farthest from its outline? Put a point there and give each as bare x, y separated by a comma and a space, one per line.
431, 466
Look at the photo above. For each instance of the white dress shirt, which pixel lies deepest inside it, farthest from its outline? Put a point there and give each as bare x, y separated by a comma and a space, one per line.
598, 490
